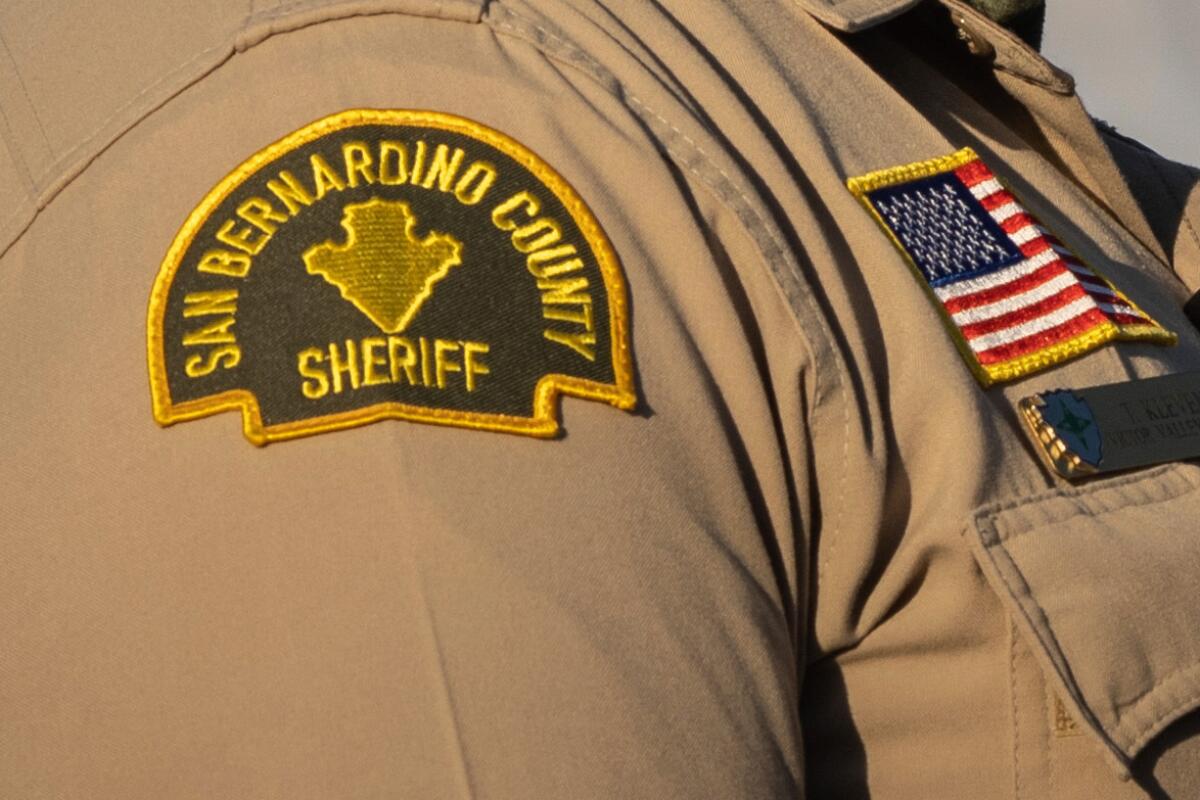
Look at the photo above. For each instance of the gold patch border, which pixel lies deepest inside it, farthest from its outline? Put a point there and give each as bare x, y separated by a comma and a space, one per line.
543, 424
1021, 366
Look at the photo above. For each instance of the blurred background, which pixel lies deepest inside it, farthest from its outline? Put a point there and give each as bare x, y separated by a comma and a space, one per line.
1137, 63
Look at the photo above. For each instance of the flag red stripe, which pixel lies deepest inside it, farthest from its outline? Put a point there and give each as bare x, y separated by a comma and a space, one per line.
1084, 284
1016, 286
1024, 314
1126, 319
1086, 321
973, 172
1018, 221
1034, 246
996, 199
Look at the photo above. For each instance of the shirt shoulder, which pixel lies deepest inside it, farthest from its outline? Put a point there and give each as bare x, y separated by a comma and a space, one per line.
1168, 193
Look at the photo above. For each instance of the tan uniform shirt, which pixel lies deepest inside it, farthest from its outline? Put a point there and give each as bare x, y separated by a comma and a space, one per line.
818, 559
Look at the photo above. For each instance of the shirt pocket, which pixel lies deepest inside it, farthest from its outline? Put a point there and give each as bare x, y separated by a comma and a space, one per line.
1104, 580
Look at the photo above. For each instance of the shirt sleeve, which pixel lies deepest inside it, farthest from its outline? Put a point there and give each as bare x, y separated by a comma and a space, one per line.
402, 609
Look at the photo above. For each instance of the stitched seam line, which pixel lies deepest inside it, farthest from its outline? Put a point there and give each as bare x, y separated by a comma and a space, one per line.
170, 76
7, 138
1122, 710
842, 482
43, 194
61, 172
15, 215
20, 164
992, 513
1130, 706
617, 88
1043, 633
25, 93
1084, 510
1012, 688
281, 10
1153, 727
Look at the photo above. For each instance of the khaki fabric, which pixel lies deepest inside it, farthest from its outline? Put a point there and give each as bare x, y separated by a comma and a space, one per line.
1170, 194
819, 560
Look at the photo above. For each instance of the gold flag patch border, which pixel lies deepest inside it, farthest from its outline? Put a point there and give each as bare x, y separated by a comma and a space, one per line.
544, 423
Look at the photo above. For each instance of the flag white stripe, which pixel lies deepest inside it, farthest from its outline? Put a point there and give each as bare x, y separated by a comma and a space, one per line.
1015, 302
1001, 213
995, 279
1121, 308
986, 188
1098, 294
1025, 234
1092, 282
981, 344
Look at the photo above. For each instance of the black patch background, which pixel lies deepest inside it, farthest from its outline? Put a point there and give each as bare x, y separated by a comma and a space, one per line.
490, 297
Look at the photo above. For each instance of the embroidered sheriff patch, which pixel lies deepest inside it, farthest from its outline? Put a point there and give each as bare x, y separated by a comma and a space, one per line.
389, 264
1016, 299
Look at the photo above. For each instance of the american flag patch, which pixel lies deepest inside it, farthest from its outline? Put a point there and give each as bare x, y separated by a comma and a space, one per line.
1016, 298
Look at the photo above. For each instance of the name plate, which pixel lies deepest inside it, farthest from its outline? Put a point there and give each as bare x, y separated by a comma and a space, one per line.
1085, 432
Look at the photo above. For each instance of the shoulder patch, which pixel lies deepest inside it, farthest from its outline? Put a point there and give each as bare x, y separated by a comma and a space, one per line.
1015, 298
389, 265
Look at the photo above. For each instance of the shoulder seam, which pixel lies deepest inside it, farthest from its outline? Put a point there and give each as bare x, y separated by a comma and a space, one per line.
787, 276
253, 30
726, 189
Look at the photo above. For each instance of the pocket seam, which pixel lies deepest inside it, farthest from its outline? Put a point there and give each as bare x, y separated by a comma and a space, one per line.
1160, 720
1022, 593
1135, 721
986, 519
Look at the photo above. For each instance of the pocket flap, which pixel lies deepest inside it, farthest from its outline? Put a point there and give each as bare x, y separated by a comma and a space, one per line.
1105, 580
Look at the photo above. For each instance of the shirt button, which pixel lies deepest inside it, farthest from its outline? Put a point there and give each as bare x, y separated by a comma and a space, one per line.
976, 42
